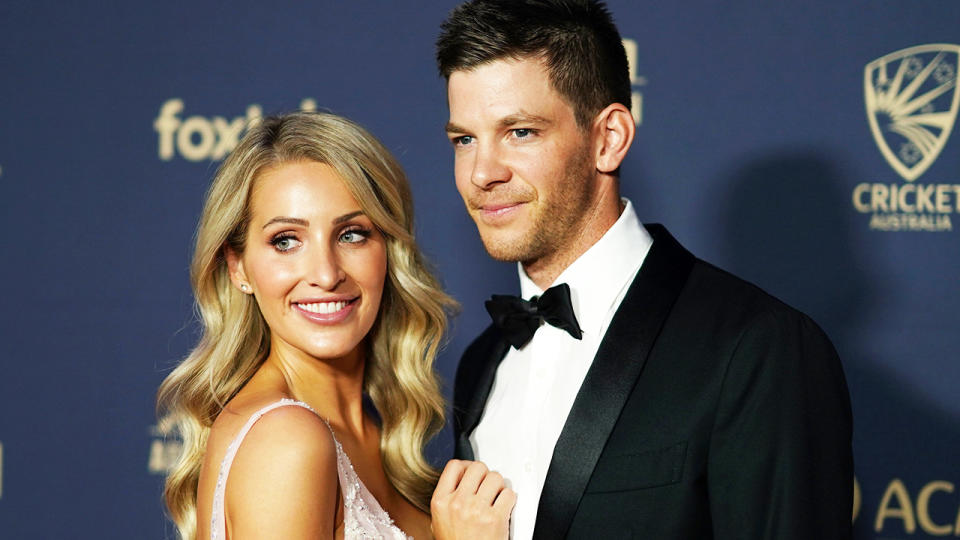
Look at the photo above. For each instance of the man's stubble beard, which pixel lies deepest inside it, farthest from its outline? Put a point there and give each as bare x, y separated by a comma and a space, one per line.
557, 222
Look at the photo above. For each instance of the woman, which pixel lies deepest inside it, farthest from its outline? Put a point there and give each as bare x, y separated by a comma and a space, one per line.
312, 295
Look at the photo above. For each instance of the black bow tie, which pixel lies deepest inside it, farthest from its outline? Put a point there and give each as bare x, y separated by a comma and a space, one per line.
519, 319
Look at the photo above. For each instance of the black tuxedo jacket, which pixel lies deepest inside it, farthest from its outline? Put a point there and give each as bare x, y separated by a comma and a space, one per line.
711, 410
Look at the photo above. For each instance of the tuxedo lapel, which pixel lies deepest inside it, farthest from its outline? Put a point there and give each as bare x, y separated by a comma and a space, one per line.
613, 374
475, 377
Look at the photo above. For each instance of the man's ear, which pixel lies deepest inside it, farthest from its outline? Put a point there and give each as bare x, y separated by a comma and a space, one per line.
235, 268
615, 129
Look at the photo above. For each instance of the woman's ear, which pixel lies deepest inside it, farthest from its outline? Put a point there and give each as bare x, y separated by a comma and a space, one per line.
235, 268
615, 130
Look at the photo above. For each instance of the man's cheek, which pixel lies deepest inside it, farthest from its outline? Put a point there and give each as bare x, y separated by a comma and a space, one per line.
462, 180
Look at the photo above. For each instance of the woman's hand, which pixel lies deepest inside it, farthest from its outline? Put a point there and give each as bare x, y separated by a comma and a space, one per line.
471, 502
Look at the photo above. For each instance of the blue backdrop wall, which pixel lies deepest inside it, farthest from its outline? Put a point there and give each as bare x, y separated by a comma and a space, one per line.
805, 145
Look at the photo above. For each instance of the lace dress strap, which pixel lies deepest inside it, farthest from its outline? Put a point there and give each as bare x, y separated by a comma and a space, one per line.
363, 517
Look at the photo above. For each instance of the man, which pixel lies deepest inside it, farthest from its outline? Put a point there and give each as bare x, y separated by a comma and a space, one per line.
665, 398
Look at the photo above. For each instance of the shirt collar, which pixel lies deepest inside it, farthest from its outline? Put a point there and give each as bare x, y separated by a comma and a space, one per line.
598, 277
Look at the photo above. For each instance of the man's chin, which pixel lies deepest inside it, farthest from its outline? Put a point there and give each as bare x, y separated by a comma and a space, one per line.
506, 249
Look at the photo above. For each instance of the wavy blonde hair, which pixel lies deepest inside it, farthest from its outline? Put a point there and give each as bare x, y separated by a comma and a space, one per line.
399, 376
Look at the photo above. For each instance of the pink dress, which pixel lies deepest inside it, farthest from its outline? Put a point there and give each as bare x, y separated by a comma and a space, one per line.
363, 517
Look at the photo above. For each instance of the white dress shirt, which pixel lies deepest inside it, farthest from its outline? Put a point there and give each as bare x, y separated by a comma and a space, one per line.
536, 385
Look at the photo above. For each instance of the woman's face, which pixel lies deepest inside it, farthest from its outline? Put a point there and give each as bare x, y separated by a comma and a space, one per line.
313, 260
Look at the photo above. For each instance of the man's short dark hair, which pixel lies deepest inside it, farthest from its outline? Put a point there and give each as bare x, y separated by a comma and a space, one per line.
577, 40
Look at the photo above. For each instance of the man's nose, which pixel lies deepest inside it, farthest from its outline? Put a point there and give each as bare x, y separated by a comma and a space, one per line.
488, 167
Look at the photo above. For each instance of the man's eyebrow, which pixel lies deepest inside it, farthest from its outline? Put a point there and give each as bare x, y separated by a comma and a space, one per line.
453, 128
523, 118
283, 219
506, 121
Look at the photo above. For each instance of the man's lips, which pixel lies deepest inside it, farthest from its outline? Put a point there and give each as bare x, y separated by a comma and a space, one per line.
497, 212
498, 207
326, 311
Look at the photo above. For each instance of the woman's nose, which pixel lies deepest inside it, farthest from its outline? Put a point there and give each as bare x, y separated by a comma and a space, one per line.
325, 270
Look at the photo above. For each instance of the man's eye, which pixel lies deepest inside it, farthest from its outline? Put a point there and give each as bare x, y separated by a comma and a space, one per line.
523, 133
463, 140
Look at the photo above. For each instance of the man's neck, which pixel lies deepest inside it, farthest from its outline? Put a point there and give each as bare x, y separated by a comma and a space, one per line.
544, 270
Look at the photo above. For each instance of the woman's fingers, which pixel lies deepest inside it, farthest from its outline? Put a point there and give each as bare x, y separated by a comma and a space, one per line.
506, 499
472, 477
471, 502
490, 487
450, 477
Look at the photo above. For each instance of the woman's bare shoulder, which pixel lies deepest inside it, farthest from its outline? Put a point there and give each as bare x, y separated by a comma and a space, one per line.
286, 429
284, 472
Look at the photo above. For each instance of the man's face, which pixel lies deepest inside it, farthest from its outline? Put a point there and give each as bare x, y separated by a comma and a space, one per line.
524, 168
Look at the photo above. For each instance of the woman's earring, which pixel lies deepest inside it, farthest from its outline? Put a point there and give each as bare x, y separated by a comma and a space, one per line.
245, 288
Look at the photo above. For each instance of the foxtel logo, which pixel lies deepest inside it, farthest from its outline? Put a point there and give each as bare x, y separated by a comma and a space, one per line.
197, 138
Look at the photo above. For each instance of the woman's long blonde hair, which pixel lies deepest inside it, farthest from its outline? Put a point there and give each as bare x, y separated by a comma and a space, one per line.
399, 376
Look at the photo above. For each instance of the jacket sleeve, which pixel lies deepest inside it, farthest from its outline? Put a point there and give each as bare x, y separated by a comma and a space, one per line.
473, 379
463, 390
780, 460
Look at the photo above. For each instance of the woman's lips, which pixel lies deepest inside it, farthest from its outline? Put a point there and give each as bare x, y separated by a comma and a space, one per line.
326, 312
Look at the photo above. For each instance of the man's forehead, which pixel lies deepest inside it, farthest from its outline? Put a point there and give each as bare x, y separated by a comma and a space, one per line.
504, 93
497, 82
525, 70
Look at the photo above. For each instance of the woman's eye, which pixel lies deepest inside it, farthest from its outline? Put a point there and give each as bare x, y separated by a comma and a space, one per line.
285, 243
354, 236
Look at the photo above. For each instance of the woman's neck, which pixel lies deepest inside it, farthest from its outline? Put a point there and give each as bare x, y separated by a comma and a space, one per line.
332, 387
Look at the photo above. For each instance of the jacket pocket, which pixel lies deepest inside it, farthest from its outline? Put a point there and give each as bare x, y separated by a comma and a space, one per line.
646, 469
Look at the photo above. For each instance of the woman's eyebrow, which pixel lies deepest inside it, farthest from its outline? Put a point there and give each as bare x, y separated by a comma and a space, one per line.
347, 217
282, 219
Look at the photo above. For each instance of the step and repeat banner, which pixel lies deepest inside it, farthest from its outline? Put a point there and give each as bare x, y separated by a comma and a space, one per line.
808, 146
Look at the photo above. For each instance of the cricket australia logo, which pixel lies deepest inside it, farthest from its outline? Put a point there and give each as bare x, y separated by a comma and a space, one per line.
911, 97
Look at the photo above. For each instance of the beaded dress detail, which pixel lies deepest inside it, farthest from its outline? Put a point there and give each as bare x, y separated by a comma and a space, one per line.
363, 517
